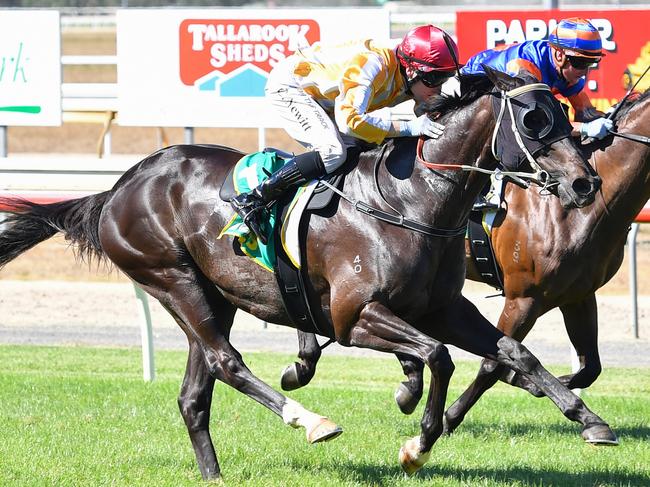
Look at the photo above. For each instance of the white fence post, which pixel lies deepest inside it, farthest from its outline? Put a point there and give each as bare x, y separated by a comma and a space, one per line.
631, 247
3, 141
575, 367
146, 333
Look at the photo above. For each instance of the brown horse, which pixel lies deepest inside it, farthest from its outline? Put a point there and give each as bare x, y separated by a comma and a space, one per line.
377, 285
550, 258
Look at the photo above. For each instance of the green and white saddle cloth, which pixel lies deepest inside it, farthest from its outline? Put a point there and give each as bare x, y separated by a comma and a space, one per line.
249, 172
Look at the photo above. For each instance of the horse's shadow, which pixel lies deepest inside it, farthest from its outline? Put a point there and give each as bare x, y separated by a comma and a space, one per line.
376, 475
478, 429
372, 475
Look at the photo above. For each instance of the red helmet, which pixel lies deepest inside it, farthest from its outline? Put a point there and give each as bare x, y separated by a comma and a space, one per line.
427, 48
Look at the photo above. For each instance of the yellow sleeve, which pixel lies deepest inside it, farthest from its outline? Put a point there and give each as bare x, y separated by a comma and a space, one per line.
361, 79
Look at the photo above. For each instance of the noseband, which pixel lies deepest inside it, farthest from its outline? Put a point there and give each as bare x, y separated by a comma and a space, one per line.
533, 105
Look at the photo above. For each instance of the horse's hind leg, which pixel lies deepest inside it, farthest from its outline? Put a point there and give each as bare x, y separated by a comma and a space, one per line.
300, 373
480, 337
194, 402
581, 322
198, 307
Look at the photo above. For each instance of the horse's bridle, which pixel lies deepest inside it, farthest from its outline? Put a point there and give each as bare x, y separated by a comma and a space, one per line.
523, 178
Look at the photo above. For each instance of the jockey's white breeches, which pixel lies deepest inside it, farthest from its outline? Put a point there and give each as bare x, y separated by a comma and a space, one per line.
304, 119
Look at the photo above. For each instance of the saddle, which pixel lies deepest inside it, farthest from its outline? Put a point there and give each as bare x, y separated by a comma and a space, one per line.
290, 277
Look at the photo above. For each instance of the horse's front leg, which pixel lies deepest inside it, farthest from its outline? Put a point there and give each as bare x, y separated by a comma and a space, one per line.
478, 336
581, 322
379, 329
409, 392
298, 374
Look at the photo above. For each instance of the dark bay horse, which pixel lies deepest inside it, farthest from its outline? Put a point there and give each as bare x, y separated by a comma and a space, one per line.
379, 286
550, 257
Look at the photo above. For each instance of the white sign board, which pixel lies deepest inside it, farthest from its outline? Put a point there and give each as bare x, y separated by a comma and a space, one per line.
208, 68
30, 68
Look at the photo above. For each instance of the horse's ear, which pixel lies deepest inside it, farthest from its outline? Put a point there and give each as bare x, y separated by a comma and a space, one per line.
503, 81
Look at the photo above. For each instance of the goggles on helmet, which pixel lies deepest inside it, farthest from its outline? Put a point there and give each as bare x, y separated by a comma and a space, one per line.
432, 79
579, 62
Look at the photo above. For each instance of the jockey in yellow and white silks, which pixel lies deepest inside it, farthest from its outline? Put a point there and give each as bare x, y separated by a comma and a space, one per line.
322, 92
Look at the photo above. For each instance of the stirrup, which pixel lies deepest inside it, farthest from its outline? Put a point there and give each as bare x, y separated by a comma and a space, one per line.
485, 206
253, 222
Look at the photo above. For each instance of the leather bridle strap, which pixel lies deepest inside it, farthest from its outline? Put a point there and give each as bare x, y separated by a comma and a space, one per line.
517, 176
636, 138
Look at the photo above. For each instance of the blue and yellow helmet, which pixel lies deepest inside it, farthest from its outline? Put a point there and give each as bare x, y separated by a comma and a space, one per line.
577, 37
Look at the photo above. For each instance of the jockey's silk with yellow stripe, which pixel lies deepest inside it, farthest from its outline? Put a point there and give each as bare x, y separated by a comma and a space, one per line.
350, 81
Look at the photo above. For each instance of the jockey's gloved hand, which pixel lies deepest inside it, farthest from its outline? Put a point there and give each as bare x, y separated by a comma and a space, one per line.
597, 128
422, 125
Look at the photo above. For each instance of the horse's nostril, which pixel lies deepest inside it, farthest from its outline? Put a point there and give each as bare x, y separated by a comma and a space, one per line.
584, 186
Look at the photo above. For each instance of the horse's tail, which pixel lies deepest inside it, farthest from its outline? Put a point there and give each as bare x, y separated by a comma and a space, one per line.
31, 223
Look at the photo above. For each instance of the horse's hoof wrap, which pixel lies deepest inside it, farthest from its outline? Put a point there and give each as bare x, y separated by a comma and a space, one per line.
324, 431
599, 435
410, 458
290, 378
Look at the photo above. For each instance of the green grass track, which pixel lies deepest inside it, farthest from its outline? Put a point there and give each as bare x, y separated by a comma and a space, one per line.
72, 416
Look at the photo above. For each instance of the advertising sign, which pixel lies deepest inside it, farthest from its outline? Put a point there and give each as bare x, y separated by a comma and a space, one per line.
208, 68
30, 68
624, 33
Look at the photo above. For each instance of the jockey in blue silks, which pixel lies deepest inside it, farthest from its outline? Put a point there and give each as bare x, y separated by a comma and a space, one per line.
561, 62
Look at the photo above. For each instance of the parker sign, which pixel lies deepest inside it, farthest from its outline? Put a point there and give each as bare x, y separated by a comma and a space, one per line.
208, 67
624, 34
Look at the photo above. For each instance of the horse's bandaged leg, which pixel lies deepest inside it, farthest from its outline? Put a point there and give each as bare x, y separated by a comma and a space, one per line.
317, 428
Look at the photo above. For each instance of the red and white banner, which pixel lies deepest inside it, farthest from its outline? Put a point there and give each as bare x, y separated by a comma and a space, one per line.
227, 45
625, 35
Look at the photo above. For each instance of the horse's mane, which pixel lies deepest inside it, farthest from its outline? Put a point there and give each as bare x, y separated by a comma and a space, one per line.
473, 86
629, 103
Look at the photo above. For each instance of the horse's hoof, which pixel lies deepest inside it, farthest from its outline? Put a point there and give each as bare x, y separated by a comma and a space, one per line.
324, 431
290, 379
405, 400
599, 434
410, 458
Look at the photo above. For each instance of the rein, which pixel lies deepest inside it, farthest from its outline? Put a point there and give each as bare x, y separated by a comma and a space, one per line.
396, 218
636, 138
612, 114
539, 177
